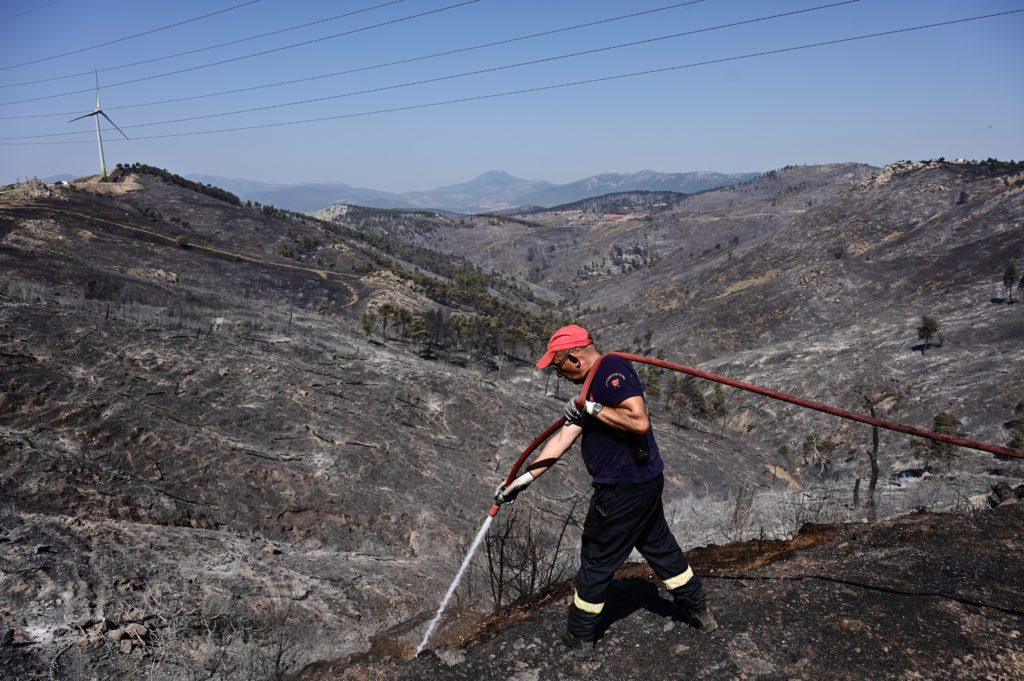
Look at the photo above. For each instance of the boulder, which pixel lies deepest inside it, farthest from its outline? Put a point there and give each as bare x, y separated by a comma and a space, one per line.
1002, 494
136, 630
451, 656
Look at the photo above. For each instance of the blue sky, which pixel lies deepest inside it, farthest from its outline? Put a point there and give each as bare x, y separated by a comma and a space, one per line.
951, 91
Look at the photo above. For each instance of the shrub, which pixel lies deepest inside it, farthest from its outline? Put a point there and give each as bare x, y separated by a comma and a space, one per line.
524, 558
1017, 436
928, 329
944, 423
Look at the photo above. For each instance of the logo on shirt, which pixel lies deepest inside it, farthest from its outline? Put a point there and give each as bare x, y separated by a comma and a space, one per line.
614, 381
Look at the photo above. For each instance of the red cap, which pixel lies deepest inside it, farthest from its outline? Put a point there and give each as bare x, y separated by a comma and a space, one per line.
566, 338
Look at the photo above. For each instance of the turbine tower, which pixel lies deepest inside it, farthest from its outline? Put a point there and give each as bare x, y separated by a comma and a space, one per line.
97, 112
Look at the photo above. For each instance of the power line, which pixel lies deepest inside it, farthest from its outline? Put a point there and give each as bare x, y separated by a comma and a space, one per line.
492, 69
129, 37
29, 11
374, 66
253, 54
556, 86
204, 49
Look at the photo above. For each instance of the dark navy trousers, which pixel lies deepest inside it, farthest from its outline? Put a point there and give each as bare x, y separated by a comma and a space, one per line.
621, 518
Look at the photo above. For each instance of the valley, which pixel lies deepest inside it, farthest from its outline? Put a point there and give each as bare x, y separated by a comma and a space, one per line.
267, 436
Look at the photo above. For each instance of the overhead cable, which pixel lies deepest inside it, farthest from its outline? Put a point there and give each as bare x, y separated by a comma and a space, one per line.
371, 67
130, 37
29, 10
207, 48
250, 55
492, 69
544, 88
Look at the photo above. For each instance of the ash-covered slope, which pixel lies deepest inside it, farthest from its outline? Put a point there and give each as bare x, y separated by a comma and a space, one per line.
178, 395
928, 596
828, 299
199, 436
601, 239
811, 280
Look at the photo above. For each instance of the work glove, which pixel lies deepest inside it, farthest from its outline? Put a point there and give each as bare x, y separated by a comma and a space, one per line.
573, 414
505, 495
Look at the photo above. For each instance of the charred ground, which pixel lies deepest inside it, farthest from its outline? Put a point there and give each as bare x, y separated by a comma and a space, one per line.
927, 596
811, 280
200, 436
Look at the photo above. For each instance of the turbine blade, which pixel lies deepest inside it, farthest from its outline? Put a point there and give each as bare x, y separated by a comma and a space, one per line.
113, 124
97, 74
91, 113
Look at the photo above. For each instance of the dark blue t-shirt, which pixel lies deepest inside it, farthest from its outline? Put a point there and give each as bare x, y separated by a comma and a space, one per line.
608, 452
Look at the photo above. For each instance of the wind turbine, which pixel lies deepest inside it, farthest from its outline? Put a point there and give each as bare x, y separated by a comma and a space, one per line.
97, 112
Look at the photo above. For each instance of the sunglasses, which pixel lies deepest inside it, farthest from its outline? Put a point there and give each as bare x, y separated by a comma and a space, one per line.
557, 366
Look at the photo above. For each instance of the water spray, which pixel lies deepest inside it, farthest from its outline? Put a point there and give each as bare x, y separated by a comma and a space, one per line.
455, 582
808, 404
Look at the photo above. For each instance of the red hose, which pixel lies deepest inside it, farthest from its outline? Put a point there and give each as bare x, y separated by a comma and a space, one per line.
835, 411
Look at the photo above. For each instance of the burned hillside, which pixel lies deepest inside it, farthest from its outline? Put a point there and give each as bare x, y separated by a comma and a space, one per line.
199, 430
266, 438
927, 596
812, 280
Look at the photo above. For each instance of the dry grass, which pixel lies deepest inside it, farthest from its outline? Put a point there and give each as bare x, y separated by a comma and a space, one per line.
735, 287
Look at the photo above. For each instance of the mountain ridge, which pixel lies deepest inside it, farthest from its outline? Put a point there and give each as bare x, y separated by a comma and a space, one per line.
494, 190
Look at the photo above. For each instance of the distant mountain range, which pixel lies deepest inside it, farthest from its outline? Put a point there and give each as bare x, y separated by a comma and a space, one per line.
62, 177
492, 191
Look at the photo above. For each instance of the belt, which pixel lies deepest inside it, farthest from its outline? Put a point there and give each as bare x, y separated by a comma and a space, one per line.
623, 485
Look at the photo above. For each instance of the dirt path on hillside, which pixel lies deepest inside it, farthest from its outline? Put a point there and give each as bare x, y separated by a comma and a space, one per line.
173, 239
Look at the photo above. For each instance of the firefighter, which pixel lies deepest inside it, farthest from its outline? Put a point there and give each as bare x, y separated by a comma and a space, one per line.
621, 454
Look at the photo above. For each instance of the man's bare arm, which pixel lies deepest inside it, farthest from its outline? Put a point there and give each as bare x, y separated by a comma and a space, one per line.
557, 445
629, 415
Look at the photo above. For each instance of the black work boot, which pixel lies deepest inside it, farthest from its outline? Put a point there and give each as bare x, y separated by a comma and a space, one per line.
702, 618
580, 649
690, 599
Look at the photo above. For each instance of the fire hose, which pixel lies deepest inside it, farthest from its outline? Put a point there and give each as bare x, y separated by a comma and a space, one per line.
808, 404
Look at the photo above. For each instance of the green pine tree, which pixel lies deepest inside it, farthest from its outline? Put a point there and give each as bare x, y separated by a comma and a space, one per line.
652, 382
368, 321
1010, 279
417, 329
1017, 436
929, 329
944, 423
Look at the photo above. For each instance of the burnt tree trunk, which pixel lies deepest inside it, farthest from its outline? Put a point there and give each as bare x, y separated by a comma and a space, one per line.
873, 456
